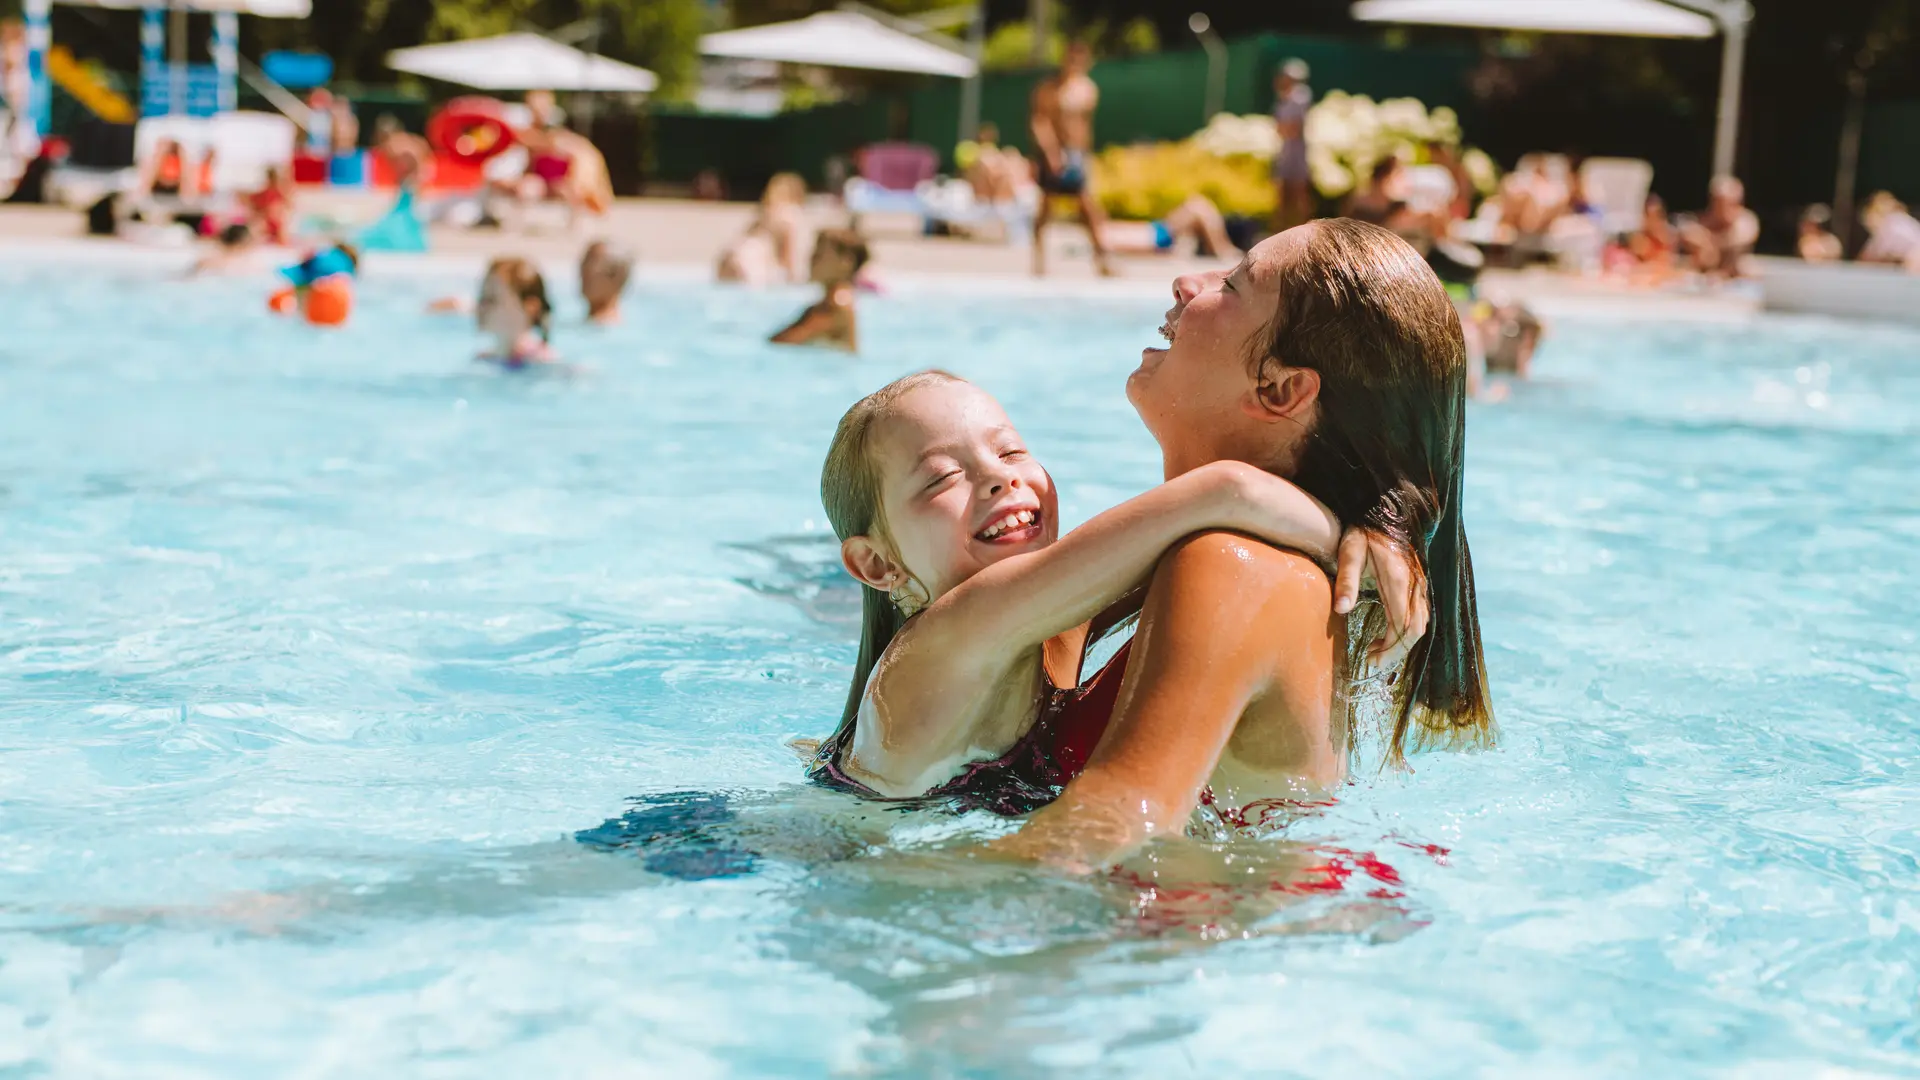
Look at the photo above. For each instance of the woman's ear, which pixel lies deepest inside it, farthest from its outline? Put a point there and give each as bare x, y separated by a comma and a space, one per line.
869, 564
1283, 393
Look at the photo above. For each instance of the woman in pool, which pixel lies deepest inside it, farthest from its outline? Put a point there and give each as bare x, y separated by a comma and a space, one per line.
769, 251
1331, 355
838, 257
513, 310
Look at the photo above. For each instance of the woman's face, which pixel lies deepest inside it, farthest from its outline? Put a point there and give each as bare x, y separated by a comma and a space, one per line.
832, 263
1196, 395
959, 489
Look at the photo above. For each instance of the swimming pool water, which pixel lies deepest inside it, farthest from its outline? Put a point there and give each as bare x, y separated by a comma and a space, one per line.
317, 648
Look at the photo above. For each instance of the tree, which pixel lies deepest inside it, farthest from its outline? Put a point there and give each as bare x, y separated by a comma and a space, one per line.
661, 35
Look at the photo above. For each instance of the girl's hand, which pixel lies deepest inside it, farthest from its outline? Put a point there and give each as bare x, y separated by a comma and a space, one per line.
1367, 556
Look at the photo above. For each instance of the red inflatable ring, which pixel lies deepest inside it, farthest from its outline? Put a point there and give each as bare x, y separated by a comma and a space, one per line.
470, 130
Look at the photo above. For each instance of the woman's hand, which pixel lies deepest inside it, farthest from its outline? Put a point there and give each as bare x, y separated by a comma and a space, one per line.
1368, 556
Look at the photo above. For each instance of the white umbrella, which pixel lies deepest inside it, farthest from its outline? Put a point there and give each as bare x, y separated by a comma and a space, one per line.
273, 9
1635, 18
839, 39
521, 62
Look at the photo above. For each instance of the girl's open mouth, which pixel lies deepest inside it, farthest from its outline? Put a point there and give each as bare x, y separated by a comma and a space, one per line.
1012, 527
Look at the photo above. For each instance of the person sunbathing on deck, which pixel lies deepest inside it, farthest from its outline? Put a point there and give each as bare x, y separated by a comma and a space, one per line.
1197, 219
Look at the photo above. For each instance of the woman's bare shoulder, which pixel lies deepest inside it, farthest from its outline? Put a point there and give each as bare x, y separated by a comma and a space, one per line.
1227, 565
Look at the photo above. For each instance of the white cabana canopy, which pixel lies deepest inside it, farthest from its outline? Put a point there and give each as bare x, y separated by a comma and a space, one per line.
521, 62
272, 9
840, 39
1633, 18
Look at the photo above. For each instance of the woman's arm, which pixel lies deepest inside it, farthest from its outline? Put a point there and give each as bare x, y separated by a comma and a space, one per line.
1228, 625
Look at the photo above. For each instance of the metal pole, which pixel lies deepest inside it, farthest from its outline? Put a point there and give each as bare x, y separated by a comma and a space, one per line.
1039, 20
970, 90
177, 64
1217, 55
226, 58
39, 103
1733, 19
155, 84
1846, 177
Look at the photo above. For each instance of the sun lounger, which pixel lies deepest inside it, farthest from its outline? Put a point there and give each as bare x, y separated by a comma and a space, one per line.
1618, 188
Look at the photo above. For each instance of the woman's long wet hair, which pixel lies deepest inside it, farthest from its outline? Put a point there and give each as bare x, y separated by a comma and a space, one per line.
1360, 306
850, 490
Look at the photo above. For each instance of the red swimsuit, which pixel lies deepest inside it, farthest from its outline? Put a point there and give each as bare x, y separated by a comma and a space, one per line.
1026, 777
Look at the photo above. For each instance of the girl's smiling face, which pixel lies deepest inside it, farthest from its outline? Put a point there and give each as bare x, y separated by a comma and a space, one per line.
959, 492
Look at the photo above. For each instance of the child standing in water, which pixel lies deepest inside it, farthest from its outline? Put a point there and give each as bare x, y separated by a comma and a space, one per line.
838, 257
514, 311
605, 268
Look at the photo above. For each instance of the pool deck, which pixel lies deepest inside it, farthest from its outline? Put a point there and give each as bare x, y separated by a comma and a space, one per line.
679, 239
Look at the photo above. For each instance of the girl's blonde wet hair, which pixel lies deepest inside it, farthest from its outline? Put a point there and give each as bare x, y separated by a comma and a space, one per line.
850, 484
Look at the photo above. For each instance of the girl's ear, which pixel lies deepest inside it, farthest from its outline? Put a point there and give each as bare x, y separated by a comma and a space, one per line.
869, 563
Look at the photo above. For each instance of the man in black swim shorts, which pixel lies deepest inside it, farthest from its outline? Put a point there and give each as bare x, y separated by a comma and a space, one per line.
1060, 117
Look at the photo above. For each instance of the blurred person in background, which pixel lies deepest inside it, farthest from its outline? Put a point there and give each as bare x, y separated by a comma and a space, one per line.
18, 140
709, 185
605, 269
1720, 237
344, 127
1387, 200
1893, 233
269, 209
1293, 194
996, 173
1060, 118
206, 175
1816, 242
769, 251
1647, 256
1534, 195
405, 153
318, 134
838, 257
163, 175
1197, 220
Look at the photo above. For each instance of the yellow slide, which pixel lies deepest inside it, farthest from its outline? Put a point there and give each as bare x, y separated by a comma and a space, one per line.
87, 89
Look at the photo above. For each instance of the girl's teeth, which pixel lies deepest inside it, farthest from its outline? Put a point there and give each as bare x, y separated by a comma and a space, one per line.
1011, 521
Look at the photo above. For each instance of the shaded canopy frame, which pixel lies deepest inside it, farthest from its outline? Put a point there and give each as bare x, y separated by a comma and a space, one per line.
226, 38
1643, 18
521, 62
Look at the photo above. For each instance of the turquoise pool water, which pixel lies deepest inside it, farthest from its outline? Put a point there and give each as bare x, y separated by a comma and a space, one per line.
317, 649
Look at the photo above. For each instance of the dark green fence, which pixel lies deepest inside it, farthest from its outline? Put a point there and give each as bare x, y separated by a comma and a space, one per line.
1162, 96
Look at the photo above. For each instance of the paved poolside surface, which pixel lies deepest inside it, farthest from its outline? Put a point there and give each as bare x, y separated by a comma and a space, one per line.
680, 238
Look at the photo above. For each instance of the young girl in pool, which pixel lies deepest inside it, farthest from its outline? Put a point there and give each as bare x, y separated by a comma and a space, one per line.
975, 621
838, 257
513, 310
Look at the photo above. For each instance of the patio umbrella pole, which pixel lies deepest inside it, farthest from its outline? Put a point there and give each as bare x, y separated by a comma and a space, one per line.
970, 90
1733, 18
